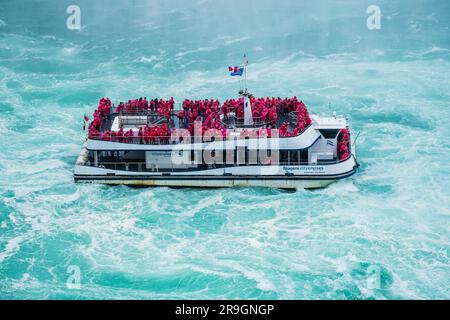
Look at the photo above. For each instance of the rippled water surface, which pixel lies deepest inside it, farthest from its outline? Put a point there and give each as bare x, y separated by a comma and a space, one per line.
391, 217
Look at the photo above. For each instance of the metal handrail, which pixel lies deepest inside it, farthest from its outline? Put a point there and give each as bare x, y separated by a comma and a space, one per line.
165, 140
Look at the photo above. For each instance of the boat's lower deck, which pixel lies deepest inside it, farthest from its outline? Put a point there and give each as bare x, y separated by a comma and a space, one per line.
289, 177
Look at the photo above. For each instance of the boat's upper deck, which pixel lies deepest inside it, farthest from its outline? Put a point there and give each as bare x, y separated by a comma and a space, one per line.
156, 121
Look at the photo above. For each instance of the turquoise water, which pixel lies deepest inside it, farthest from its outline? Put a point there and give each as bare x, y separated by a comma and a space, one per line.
392, 217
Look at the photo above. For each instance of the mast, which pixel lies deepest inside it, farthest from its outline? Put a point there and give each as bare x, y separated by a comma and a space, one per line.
248, 115
245, 72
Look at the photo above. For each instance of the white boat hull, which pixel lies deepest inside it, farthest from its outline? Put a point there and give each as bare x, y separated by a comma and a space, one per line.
199, 183
289, 177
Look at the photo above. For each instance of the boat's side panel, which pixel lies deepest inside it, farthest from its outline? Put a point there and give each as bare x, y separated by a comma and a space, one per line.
212, 183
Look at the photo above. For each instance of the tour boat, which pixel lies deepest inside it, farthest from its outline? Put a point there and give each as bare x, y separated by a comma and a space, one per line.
244, 142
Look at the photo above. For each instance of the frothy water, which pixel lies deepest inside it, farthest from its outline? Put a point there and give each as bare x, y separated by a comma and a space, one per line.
391, 217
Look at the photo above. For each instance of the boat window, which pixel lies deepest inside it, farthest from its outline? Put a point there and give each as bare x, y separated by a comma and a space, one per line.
284, 156
293, 157
304, 156
329, 133
132, 155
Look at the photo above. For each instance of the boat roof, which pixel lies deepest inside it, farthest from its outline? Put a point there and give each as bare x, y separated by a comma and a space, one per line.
337, 122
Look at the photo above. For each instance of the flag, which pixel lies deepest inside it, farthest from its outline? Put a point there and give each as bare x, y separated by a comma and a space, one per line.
237, 72
330, 143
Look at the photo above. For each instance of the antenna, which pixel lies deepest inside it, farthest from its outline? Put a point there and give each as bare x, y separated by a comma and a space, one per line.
248, 115
245, 72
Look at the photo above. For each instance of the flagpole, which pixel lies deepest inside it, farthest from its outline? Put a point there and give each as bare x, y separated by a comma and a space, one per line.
248, 115
245, 72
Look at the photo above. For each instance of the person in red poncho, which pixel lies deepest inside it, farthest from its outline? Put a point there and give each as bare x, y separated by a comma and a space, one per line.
120, 135
113, 136
154, 134
130, 136
140, 135
164, 133
97, 122
93, 133
120, 107
146, 134
273, 117
145, 103
107, 135
181, 114
343, 144
140, 105
283, 130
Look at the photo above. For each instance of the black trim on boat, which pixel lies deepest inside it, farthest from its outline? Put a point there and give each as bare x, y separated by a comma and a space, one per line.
82, 178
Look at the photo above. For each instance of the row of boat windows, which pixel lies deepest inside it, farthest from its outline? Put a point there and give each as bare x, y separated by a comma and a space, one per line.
245, 156
241, 156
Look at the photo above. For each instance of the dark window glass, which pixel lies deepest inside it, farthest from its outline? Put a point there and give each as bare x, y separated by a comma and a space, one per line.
293, 157
284, 156
329, 133
303, 156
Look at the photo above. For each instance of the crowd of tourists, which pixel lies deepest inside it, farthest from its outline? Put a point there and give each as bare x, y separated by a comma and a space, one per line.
160, 106
343, 144
209, 112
